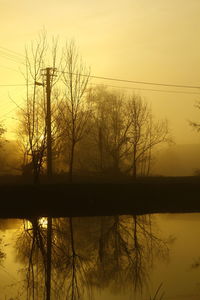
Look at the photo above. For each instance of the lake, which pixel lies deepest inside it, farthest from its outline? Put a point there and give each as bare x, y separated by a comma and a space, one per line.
105, 258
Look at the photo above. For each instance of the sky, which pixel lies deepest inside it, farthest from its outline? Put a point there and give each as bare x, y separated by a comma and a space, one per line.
146, 40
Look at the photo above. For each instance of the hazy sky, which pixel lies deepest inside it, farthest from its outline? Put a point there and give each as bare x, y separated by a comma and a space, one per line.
146, 40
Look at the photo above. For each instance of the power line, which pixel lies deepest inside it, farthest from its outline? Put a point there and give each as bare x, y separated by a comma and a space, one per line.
20, 84
9, 68
11, 53
11, 110
134, 81
143, 89
14, 52
15, 55
4, 106
7, 113
7, 54
114, 86
10, 57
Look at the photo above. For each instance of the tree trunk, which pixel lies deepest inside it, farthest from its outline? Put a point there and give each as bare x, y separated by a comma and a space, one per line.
36, 173
36, 178
116, 166
100, 144
71, 163
134, 171
134, 165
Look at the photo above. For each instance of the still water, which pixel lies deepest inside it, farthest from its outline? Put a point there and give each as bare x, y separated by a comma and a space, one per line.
119, 257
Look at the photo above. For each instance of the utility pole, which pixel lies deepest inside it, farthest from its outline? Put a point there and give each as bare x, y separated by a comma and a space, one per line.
48, 73
48, 122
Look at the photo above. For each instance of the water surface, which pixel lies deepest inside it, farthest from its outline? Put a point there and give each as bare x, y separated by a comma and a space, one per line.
119, 257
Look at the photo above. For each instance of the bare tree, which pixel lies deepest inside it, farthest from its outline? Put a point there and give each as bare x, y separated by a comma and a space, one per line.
2, 143
2, 131
144, 135
123, 133
76, 110
32, 136
110, 128
196, 125
32, 132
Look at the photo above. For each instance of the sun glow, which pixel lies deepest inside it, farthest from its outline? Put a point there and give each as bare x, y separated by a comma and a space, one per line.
43, 222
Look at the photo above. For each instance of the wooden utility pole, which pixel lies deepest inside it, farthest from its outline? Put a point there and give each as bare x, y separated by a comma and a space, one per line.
49, 72
48, 122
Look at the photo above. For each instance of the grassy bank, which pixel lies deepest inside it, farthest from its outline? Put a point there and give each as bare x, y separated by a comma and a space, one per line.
145, 195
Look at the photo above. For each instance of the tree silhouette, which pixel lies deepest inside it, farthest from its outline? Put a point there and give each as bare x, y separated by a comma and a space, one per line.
32, 130
110, 128
75, 109
144, 135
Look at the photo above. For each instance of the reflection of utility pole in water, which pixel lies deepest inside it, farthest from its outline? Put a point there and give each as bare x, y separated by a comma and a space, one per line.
49, 72
48, 267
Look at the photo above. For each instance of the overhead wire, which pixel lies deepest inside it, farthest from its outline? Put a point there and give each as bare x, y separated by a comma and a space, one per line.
9, 68
144, 89
11, 58
7, 113
4, 105
14, 52
16, 57
11, 110
113, 86
134, 81
17, 84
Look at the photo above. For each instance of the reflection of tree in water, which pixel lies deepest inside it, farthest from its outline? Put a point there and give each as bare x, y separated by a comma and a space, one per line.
97, 252
31, 250
126, 248
2, 252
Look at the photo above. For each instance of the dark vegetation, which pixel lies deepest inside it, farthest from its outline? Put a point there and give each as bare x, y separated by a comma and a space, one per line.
103, 197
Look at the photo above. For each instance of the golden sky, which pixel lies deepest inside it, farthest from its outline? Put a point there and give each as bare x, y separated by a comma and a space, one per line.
146, 40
